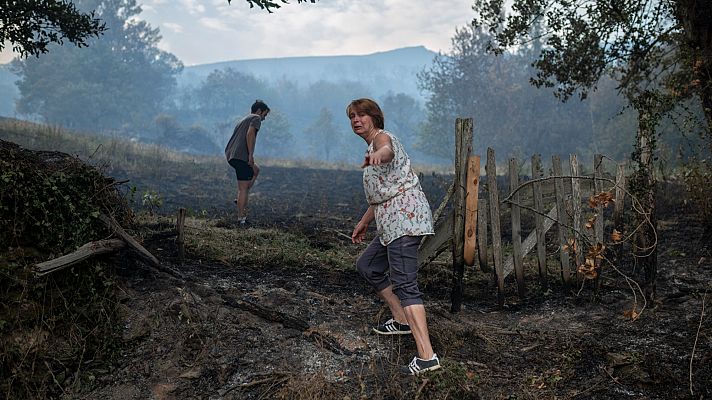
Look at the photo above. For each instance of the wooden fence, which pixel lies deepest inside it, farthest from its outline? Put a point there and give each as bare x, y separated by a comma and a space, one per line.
465, 229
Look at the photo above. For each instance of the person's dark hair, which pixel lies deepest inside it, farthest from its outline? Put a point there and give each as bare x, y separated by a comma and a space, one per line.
259, 105
369, 107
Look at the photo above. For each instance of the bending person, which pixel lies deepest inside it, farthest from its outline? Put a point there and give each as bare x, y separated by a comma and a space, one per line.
240, 151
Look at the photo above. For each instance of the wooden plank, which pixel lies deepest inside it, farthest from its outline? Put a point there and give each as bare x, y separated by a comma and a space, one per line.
516, 227
463, 149
491, 170
537, 173
531, 241
432, 245
576, 210
471, 200
482, 234
561, 213
620, 197
84, 252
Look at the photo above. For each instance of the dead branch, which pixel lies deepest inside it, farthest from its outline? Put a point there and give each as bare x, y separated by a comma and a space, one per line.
267, 313
697, 336
628, 280
86, 251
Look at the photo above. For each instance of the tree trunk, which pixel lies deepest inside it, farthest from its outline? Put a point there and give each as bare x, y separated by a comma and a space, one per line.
643, 185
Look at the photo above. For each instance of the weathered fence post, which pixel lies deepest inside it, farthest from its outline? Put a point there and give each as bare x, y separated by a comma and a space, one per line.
576, 208
598, 224
516, 226
463, 148
491, 170
561, 212
482, 234
537, 173
620, 198
471, 200
180, 228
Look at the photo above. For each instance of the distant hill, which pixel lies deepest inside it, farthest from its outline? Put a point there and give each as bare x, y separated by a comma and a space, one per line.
393, 70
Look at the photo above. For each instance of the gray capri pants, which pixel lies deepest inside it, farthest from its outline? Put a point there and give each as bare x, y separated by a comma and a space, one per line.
395, 264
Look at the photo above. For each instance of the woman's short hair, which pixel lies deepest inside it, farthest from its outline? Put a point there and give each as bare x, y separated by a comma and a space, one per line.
259, 105
369, 107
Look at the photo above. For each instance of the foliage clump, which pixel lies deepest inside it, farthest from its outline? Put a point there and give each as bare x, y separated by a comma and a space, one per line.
50, 327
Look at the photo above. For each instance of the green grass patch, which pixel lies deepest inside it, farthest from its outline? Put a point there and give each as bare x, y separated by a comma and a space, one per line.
260, 247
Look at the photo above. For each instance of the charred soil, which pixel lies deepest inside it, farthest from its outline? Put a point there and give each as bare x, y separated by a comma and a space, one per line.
244, 330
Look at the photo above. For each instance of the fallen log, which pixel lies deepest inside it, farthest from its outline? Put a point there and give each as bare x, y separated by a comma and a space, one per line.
88, 250
131, 242
120, 232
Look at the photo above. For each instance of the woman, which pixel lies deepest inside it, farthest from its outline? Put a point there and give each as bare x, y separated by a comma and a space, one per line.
402, 214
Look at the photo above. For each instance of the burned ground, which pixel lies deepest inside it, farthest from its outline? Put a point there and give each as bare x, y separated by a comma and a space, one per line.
235, 328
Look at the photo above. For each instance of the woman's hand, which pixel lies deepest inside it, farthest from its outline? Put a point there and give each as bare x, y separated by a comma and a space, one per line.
359, 233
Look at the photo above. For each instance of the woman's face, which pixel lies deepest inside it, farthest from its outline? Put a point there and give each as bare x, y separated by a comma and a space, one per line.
361, 123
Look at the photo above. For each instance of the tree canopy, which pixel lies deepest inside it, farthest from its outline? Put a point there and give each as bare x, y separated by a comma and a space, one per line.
120, 80
31, 26
661, 45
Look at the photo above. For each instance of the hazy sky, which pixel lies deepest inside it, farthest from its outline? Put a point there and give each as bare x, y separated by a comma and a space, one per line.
201, 32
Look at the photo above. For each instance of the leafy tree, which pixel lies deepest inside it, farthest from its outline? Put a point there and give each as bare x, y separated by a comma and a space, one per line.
275, 136
323, 136
119, 82
227, 93
403, 115
31, 26
645, 44
509, 114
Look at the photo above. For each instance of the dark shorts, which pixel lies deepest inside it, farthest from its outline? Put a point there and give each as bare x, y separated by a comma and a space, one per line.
242, 169
396, 265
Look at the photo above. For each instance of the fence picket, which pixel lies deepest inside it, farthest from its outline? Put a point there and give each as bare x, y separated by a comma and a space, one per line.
463, 148
598, 225
482, 233
576, 208
516, 226
620, 197
537, 172
491, 169
559, 188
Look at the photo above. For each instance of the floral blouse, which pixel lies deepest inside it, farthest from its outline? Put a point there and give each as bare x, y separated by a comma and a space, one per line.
393, 189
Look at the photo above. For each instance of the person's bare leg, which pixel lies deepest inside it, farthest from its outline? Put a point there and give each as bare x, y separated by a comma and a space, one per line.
393, 303
415, 315
243, 191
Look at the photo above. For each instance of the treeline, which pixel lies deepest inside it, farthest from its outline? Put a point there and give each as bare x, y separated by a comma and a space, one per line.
122, 84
